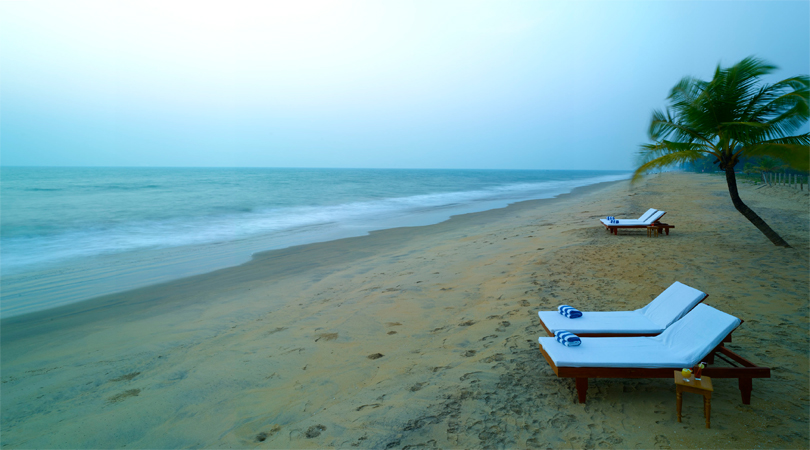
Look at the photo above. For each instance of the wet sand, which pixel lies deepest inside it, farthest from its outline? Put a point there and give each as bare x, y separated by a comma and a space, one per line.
425, 337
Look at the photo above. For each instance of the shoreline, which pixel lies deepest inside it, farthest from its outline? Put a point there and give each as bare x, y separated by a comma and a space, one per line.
94, 304
56, 284
427, 336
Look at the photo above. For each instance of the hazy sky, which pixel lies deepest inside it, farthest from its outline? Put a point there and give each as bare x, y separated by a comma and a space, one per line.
411, 84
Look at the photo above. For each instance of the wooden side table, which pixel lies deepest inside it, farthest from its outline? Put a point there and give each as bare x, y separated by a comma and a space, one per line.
702, 387
652, 230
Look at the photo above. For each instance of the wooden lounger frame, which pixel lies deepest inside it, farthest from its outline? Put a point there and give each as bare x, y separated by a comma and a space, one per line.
614, 228
705, 296
745, 371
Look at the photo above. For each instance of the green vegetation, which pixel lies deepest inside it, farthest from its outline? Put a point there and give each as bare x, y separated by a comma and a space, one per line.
730, 117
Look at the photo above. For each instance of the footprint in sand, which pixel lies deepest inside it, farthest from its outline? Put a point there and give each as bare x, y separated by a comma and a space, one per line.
493, 358
503, 326
375, 356
261, 437
562, 421
126, 377
124, 395
314, 431
662, 441
372, 406
327, 337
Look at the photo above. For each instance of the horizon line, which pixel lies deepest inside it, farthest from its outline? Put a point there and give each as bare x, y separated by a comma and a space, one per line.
2, 166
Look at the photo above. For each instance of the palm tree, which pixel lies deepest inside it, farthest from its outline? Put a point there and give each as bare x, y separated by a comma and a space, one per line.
728, 117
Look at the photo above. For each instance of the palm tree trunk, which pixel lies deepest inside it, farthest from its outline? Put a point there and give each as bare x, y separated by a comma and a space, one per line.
731, 179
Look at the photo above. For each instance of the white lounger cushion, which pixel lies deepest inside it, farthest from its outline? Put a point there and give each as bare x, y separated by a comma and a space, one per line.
672, 304
660, 313
681, 345
629, 222
601, 322
647, 214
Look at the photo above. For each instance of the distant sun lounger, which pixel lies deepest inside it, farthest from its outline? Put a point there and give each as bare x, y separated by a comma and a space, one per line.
697, 337
651, 218
651, 320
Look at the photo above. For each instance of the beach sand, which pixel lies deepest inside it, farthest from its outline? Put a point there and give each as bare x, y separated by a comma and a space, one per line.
426, 337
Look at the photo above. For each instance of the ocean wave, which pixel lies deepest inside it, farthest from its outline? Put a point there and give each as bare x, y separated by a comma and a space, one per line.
238, 222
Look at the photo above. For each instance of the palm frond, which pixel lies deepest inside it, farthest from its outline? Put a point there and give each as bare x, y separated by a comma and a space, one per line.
732, 115
666, 160
793, 150
664, 125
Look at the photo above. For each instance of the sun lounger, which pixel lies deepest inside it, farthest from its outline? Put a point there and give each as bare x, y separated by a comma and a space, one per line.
697, 337
649, 218
650, 320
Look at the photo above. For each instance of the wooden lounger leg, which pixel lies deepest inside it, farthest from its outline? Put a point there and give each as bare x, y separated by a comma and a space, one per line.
745, 389
582, 388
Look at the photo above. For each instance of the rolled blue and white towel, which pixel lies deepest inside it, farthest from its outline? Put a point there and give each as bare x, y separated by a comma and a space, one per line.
567, 338
569, 311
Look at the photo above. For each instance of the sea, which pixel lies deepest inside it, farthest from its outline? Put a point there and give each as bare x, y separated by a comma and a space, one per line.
70, 234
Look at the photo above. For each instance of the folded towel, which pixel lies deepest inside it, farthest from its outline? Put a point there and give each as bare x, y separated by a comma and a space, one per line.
567, 338
569, 311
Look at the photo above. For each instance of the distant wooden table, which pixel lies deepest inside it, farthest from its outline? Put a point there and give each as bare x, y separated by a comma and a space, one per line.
702, 387
652, 230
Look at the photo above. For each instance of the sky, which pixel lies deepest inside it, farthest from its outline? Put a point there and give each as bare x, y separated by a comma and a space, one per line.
377, 84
